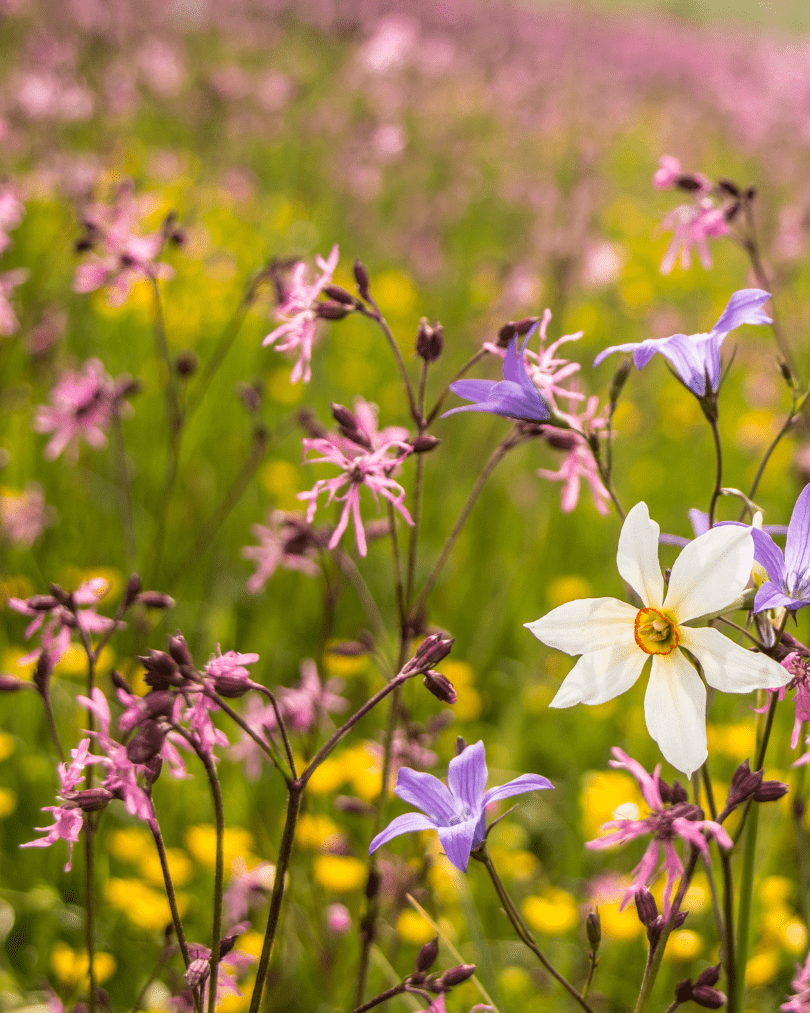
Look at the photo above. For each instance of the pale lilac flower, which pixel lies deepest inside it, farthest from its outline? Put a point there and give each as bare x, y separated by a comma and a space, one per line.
799, 1002
302, 705
124, 257
579, 462
58, 620
692, 225
23, 516
338, 920
67, 819
287, 540
247, 889
788, 584
696, 357
8, 282
616, 639
11, 214
514, 397
666, 822
227, 672
300, 315
372, 469
457, 812
82, 406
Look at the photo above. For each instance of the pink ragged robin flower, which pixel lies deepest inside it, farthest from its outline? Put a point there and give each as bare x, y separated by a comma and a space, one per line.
299, 315
23, 516
8, 282
11, 214
671, 816
82, 406
579, 462
799, 1002
692, 225
369, 468
123, 257
286, 540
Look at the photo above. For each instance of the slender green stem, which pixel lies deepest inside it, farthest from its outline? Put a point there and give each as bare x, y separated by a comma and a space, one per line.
441, 398
656, 955
173, 410
727, 622
607, 479
798, 810
49, 718
400, 590
744, 906
416, 512
593, 960
89, 906
265, 748
381, 998
786, 426
366, 599
483, 856
285, 851
512, 440
718, 475
751, 246
281, 726
128, 524
375, 314
169, 885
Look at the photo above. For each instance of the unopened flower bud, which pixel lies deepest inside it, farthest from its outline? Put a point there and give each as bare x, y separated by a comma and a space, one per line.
343, 416
646, 908
147, 743
750, 193
331, 310
593, 930
429, 340
770, 791
89, 800
361, 278
349, 649
161, 671
11, 684
339, 294
156, 600
710, 976
431, 651
179, 651
683, 990
187, 364
425, 443
60, 594
506, 333
42, 672
440, 686
679, 919
461, 745
427, 956
708, 998
731, 212
525, 325
41, 602
744, 783
561, 439
619, 380
152, 768
729, 188
133, 587
231, 686
455, 975
353, 806
197, 973
787, 373
250, 394
689, 183
158, 703
228, 941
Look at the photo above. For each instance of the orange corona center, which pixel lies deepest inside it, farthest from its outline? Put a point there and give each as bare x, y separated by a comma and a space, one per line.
655, 632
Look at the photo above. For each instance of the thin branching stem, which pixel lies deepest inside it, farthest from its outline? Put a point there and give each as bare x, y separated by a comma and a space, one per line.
442, 397
718, 474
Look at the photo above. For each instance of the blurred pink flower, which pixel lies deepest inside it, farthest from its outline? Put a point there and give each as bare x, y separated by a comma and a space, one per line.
372, 469
579, 461
286, 541
299, 314
82, 405
124, 257
799, 1002
668, 170
247, 889
23, 516
11, 214
691, 225
666, 822
67, 820
338, 920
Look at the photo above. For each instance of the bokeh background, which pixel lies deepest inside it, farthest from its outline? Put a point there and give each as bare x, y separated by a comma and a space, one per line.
485, 161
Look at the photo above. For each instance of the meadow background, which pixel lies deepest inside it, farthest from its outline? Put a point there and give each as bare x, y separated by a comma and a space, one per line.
485, 161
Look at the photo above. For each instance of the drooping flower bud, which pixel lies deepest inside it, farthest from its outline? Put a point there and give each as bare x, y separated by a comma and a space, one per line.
89, 800
197, 973
147, 743
646, 908
361, 278
456, 975
770, 791
156, 600
132, 589
433, 649
429, 340
440, 686
424, 444
339, 294
329, 309
11, 684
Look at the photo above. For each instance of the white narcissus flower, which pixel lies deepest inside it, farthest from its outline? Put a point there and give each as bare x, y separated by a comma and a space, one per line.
616, 639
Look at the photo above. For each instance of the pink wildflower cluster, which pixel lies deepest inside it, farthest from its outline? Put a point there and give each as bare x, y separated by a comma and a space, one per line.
691, 224
299, 314
11, 214
360, 463
233, 965
83, 404
119, 255
58, 618
799, 1002
579, 461
286, 540
68, 816
671, 816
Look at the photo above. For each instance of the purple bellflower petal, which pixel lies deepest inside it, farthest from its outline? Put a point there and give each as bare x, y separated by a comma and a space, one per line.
406, 824
427, 793
768, 554
518, 786
467, 774
457, 842
744, 307
797, 547
515, 397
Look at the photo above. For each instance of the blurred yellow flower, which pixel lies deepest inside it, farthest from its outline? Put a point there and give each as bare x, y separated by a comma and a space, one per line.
145, 907
515, 979
180, 866
412, 928
71, 968
736, 741
395, 293
280, 479
603, 791
794, 937
444, 882
553, 913
15, 587
11, 659
129, 844
328, 777
339, 873
618, 924
201, 841
344, 666
683, 945
7, 746
564, 589
775, 890
520, 864
317, 832
762, 968
8, 802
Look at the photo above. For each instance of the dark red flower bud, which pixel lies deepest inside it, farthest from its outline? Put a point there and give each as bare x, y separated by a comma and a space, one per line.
42, 672
156, 600
89, 800
683, 990
427, 956
455, 975
689, 183
343, 416
506, 333
593, 930
161, 671
430, 652
340, 294
331, 310
147, 743
429, 340
361, 278
646, 908
231, 687
710, 976
132, 589
619, 380
424, 444
770, 791
525, 325
179, 651
708, 998
41, 602
11, 684
440, 686
461, 745
729, 188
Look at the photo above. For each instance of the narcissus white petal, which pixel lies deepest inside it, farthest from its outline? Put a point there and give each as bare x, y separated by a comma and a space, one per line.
675, 711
